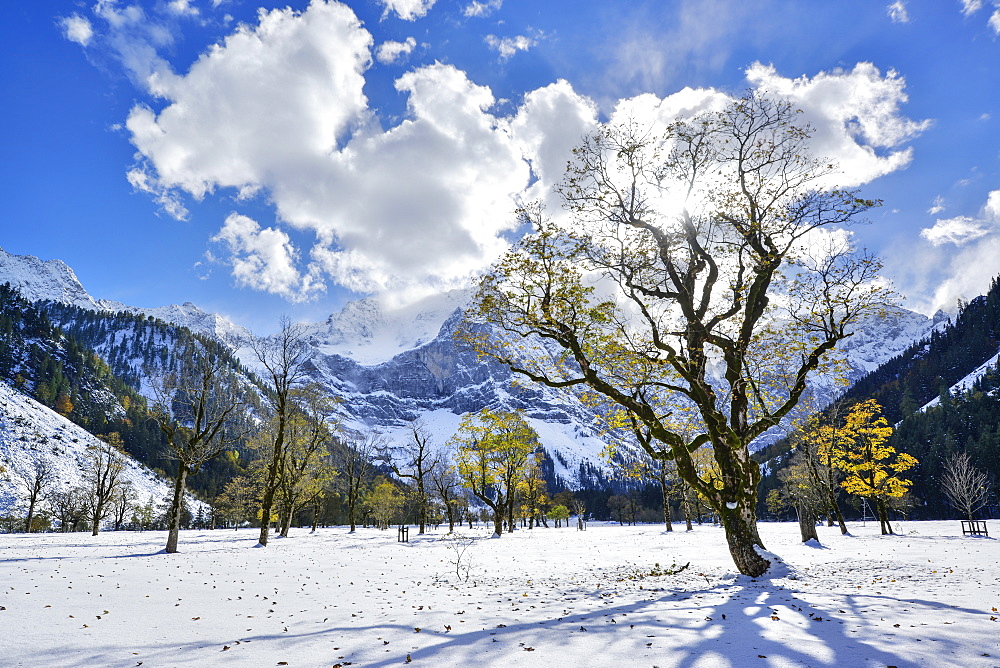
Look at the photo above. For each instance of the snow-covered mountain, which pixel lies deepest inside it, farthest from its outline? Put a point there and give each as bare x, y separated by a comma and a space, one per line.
370, 334
30, 432
54, 280
439, 380
391, 366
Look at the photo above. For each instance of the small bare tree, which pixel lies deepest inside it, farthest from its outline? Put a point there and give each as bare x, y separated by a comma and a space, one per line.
448, 488
123, 502
355, 454
196, 410
283, 358
416, 461
103, 477
69, 507
966, 487
36, 482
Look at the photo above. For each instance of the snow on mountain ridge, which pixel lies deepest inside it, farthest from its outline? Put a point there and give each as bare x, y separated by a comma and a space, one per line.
54, 280
367, 332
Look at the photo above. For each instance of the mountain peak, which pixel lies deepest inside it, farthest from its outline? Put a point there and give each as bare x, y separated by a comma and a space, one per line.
54, 280
51, 280
370, 333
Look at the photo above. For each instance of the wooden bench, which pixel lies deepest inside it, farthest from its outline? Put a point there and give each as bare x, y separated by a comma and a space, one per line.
404, 535
974, 528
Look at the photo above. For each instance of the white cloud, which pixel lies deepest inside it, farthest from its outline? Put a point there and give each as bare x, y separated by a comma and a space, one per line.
480, 9
994, 21
856, 116
969, 273
391, 52
408, 10
182, 8
971, 6
508, 46
992, 207
937, 207
264, 259
77, 29
548, 126
897, 12
141, 178
646, 55
958, 231
963, 256
277, 111
259, 104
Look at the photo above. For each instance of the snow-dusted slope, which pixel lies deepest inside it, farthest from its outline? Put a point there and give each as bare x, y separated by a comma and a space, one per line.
966, 383
30, 432
53, 280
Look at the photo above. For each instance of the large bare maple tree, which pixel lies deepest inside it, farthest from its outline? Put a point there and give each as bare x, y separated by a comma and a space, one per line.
693, 287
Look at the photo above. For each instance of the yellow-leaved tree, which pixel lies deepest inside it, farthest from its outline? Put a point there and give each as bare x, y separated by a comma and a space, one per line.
493, 449
871, 465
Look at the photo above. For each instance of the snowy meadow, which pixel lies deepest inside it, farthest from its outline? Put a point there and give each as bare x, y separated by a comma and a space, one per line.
542, 597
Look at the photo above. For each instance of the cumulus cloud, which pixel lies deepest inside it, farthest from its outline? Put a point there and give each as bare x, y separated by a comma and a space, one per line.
480, 9
264, 259
856, 115
277, 111
897, 12
937, 207
408, 10
259, 104
391, 52
77, 29
508, 46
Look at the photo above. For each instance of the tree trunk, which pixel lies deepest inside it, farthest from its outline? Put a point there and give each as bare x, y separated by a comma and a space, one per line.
96, 517
267, 503
740, 525
835, 510
666, 505
174, 521
807, 522
286, 523
31, 514
883, 517
423, 507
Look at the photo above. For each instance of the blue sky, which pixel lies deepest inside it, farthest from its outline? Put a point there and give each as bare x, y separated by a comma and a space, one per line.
262, 159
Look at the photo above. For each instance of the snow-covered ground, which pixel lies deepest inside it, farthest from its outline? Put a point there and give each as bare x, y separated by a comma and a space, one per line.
545, 597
